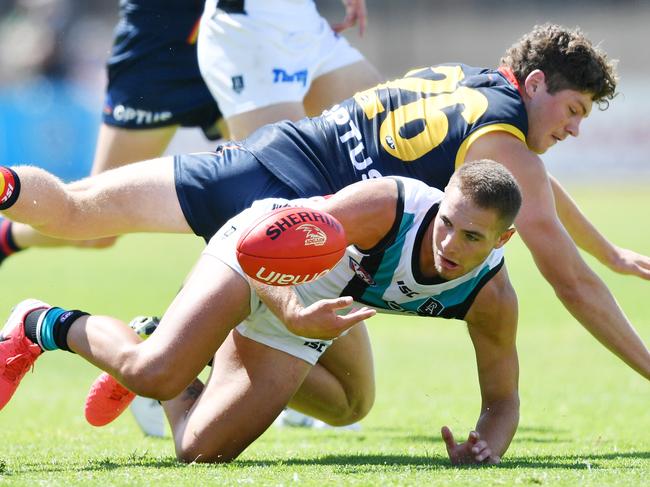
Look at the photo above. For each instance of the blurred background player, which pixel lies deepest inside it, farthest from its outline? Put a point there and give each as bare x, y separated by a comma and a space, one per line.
270, 60
154, 86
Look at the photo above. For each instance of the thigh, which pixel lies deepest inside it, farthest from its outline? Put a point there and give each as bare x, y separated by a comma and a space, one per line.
118, 146
338, 84
139, 197
212, 301
243, 124
349, 359
340, 388
249, 385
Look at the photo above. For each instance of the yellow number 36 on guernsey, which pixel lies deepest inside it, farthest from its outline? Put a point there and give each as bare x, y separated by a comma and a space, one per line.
427, 110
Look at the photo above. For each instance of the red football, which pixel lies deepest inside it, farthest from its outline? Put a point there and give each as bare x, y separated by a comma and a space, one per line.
291, 246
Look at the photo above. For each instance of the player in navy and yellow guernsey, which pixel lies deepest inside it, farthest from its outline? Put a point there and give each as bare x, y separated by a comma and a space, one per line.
422, 126
418, 126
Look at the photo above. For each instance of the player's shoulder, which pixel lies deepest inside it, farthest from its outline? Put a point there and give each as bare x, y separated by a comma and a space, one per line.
415, 189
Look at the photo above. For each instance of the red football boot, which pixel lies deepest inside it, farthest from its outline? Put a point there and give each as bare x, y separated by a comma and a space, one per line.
17, 352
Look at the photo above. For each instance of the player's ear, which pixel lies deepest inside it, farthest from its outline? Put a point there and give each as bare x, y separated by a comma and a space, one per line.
504, 237
535, 82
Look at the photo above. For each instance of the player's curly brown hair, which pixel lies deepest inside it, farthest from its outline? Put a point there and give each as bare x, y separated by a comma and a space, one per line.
568, 59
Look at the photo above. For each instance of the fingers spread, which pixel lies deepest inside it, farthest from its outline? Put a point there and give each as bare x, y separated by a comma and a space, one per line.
448, 437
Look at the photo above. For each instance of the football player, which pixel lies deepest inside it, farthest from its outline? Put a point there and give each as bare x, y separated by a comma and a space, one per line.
268, 61
412, 251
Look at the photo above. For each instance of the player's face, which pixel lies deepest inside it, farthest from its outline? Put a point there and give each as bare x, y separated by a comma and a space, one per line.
552, 118
463, 235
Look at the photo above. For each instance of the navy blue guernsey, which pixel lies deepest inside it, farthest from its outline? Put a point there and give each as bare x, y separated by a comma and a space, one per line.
419, 126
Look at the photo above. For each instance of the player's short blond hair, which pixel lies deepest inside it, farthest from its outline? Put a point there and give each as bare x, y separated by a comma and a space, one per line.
491, 186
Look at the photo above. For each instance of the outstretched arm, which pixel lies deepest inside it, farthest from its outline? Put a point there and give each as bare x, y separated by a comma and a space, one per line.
587, 237
492, 325
556, 256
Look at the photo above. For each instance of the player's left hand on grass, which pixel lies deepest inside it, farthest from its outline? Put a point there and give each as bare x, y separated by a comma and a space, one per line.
355, 12
320, 320
473, 452
629, 262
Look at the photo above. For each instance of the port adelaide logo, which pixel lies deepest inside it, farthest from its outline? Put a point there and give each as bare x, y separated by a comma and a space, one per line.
360, 272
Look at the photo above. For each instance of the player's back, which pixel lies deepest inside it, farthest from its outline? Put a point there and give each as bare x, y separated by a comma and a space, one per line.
419, 126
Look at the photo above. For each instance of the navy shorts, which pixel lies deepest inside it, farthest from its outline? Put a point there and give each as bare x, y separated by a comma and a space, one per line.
153, 73
212, 187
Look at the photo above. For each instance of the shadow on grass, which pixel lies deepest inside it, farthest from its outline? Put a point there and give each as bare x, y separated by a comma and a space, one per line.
575, 462
350, 463
529, 434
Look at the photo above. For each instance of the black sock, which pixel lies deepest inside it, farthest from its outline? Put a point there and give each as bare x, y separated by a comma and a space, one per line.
31, 321
55, 327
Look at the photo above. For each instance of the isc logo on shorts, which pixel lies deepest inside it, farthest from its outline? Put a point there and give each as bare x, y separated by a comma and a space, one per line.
318, 346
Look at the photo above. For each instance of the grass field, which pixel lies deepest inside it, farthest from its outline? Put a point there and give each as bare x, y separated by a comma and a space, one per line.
585, 416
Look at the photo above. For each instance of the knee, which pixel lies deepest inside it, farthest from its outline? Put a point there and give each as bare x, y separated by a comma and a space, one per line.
194, 452
357, 408
151, 377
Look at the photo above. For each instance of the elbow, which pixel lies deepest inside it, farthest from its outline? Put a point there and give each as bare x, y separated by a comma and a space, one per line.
572, 285
573, 291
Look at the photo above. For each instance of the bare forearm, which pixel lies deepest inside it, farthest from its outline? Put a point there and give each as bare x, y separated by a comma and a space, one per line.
582, 231
593, 305
498, 423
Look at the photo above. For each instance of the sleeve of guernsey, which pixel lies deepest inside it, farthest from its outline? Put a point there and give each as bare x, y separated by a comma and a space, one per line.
505, 111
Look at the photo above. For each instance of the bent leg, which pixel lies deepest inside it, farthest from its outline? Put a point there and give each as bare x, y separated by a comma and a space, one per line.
240, 400
243, 124
339, 84
212, 302
140, 197
340, 388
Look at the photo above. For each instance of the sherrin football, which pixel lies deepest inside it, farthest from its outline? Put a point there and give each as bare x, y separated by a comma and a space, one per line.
291, 245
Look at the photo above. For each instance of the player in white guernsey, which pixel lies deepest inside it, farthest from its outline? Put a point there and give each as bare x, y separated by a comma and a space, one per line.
387, 277
412, 250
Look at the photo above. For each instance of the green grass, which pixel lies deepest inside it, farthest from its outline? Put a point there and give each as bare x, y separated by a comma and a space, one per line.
585, 416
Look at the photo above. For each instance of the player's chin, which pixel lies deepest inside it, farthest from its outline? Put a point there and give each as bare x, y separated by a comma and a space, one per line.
450, 274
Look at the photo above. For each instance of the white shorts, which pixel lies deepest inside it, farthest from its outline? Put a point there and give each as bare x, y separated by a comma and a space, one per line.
271, 54
261, 325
